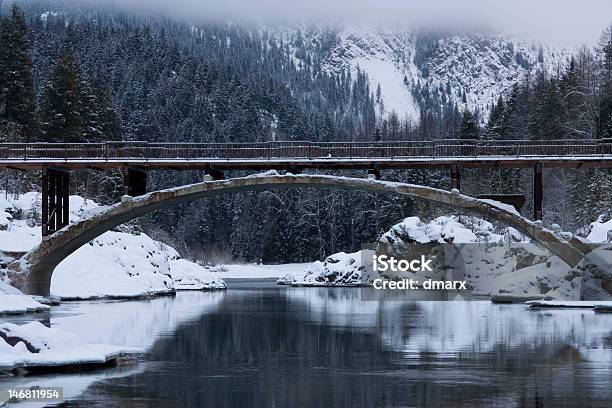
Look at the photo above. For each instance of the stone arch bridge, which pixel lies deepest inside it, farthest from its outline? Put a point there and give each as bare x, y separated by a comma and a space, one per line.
32, 273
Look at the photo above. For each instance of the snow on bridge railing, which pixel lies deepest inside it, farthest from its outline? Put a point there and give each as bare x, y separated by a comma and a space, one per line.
306, 150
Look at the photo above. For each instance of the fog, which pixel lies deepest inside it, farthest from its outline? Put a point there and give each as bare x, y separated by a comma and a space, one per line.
569, 21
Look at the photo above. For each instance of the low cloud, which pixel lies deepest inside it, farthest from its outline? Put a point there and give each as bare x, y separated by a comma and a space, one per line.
549, 20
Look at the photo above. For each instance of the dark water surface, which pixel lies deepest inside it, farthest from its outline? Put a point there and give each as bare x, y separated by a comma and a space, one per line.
267, 346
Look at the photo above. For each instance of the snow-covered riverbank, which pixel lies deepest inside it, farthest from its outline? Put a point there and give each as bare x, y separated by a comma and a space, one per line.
494, 261
115, 265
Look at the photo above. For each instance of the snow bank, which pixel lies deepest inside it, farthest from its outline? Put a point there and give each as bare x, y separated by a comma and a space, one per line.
191, 276
447, 229
493, 261
256, 271
340, 269
115, 265
36, 345
12, 301
600, 231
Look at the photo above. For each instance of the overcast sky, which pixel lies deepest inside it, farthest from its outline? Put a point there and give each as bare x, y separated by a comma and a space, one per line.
571, 21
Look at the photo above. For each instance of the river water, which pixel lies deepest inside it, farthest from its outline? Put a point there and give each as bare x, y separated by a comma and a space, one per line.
258, 344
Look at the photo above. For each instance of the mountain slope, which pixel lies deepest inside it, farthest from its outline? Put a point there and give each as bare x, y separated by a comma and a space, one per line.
417, 70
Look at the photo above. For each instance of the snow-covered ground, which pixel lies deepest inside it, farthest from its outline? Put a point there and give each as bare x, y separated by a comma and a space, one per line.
600, 230
191, 276
34, 344
116, 264
340, 269
256, 271
119, 325
495, 261
12, 301
395, 95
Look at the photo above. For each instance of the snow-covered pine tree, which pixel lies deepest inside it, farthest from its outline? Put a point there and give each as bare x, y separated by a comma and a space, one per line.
62, 119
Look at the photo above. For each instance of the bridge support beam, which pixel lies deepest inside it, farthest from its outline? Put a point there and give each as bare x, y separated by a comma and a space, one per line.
134, 181
455, 177
538, 195
55, 200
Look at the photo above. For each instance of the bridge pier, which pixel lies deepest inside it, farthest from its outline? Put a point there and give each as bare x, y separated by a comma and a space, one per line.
213, 174
538, 194
455, 177
55, 200
134, 181
374, 174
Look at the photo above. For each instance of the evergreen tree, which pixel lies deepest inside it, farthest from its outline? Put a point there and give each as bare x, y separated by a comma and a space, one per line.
496, 126
17, 98
62, 119
548, 112
604, 122
469, 128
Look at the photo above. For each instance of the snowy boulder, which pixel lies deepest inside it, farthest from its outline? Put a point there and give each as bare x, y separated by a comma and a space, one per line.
115, 265
494, 261
191, 276
5, 220
34, 346
339, 269
600, 230
596, 272
445, 229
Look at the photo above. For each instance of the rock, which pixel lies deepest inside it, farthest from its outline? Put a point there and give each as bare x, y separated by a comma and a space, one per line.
339, 269
596, 274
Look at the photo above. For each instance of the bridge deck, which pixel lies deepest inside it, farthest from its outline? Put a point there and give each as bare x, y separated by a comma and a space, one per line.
289, 155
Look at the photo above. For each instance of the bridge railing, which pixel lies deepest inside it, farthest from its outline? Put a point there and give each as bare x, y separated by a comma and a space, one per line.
305, 150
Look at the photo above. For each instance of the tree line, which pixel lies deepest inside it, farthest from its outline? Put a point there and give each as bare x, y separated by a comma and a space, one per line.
85, 75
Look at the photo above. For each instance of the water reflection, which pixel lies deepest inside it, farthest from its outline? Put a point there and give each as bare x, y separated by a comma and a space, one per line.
327, 347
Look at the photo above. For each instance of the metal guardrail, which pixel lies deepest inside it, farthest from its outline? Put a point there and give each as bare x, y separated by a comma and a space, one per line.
305, 150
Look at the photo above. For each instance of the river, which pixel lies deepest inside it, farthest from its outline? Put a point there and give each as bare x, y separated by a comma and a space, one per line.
258, 344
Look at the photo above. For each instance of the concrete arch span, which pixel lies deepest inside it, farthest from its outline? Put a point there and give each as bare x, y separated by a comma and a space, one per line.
32, 273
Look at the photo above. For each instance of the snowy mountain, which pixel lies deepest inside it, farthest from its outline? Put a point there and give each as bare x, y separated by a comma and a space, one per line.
416, 69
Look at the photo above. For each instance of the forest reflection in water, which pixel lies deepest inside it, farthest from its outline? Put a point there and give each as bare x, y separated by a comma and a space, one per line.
277, 346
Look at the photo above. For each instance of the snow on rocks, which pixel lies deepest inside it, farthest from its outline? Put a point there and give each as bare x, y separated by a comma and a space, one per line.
596, 272
445, 229
12, 301
600, 230
191, 276
34, 346
340, 269
494, 261
114, 265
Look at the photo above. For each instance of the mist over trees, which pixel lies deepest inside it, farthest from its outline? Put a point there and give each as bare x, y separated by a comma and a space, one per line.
94, 75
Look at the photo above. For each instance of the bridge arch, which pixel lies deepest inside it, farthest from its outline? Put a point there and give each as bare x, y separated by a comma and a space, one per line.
32, 273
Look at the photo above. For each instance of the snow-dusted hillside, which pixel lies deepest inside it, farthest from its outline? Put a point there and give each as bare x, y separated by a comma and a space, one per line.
468, 69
